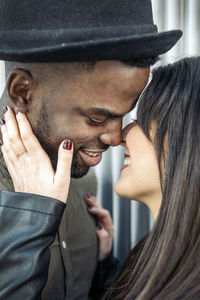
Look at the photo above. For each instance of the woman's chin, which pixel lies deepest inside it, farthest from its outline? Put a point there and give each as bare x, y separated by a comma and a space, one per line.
117, 188
120, 190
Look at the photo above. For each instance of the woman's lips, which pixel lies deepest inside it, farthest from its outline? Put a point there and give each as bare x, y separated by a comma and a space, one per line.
124, 167
90, 158
127, 161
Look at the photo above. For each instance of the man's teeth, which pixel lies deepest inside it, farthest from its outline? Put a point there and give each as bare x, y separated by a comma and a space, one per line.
127, 161
91, 154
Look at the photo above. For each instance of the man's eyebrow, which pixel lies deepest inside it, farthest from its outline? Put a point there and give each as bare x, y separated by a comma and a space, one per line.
108, 113
104, 112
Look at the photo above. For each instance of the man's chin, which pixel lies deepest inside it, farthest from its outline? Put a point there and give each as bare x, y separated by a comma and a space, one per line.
77, 170
78, 174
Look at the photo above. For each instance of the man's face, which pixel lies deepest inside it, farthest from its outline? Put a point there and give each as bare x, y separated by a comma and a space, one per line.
86, 107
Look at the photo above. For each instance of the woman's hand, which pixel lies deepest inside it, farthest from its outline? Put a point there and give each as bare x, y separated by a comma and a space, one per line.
28, 164
104, 227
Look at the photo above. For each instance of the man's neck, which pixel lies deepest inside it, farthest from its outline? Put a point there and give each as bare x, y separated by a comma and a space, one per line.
5, 179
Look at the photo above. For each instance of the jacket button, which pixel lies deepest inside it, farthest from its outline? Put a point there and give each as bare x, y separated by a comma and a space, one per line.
64, 245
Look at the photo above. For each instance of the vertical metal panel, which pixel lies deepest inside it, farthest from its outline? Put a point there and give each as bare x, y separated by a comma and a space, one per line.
159, 14
174, 11
169, 15
191, 28
2, 77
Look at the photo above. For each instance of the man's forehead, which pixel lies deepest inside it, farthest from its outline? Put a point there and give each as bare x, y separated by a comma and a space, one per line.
114, 74
113, 97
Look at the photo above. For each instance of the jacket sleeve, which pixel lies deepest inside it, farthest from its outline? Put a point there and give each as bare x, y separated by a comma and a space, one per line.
28, 224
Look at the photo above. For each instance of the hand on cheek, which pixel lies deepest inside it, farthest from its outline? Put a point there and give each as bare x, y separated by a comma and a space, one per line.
29, 166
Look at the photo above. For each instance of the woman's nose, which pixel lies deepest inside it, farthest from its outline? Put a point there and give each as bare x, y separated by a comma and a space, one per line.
126, 130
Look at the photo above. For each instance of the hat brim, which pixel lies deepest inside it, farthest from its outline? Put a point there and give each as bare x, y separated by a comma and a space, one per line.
111, 48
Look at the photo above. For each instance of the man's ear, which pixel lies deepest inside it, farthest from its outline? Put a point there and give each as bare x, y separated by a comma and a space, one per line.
20, 87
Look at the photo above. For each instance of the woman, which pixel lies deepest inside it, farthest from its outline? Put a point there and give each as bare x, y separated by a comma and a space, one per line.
161, 169
166, 263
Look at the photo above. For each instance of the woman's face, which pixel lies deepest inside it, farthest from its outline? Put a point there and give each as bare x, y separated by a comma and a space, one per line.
139, 178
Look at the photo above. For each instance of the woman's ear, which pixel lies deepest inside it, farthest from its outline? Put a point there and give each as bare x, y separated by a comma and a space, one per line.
20, 88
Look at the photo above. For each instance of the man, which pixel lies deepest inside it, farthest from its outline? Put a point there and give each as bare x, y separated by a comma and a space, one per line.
76, 68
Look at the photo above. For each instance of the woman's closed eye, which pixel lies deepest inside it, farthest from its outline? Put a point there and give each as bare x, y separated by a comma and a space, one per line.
134, 121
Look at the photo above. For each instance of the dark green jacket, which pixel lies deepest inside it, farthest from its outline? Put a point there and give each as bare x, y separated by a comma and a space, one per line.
74, 253
28, 224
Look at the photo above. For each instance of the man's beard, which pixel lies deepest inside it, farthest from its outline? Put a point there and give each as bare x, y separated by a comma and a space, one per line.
43, 131
77, 171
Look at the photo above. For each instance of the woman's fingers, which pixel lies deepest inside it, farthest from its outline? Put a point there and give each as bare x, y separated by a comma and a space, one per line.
104, 228
91, 200
7, 150
11, 132
28, 138
19, 133
63, 170
28, 164
102, 215
105, 244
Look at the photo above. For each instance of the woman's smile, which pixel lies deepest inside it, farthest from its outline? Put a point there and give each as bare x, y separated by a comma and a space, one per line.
139, 180
127, 161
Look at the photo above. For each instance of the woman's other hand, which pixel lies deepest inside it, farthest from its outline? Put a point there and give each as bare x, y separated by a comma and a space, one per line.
28, 164
104, 228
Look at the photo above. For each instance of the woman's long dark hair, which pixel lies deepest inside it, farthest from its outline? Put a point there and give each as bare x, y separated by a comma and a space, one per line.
166, 264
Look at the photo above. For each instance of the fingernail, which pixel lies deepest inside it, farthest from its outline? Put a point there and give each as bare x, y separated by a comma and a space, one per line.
5, 109
67, 145
88, 195
2, 122
16, 110
99, 226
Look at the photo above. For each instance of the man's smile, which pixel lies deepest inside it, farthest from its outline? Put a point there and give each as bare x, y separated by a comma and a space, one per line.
91, 157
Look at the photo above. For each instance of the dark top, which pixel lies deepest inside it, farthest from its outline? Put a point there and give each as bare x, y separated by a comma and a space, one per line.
28, 225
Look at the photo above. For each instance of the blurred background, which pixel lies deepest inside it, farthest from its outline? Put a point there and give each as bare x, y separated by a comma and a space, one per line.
131, 219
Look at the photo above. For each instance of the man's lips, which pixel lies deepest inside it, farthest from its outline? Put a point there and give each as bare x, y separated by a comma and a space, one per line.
91, 157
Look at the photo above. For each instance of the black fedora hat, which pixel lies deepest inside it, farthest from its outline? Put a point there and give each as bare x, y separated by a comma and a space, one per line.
80, 30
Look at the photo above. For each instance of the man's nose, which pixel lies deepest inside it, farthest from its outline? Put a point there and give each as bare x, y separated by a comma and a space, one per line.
112, 134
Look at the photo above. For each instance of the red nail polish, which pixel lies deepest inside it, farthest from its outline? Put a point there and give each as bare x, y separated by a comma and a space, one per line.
2, 122
88, 195
99, 226
67, 145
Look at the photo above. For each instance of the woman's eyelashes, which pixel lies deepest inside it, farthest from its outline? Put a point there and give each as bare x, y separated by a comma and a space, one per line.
134, 120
